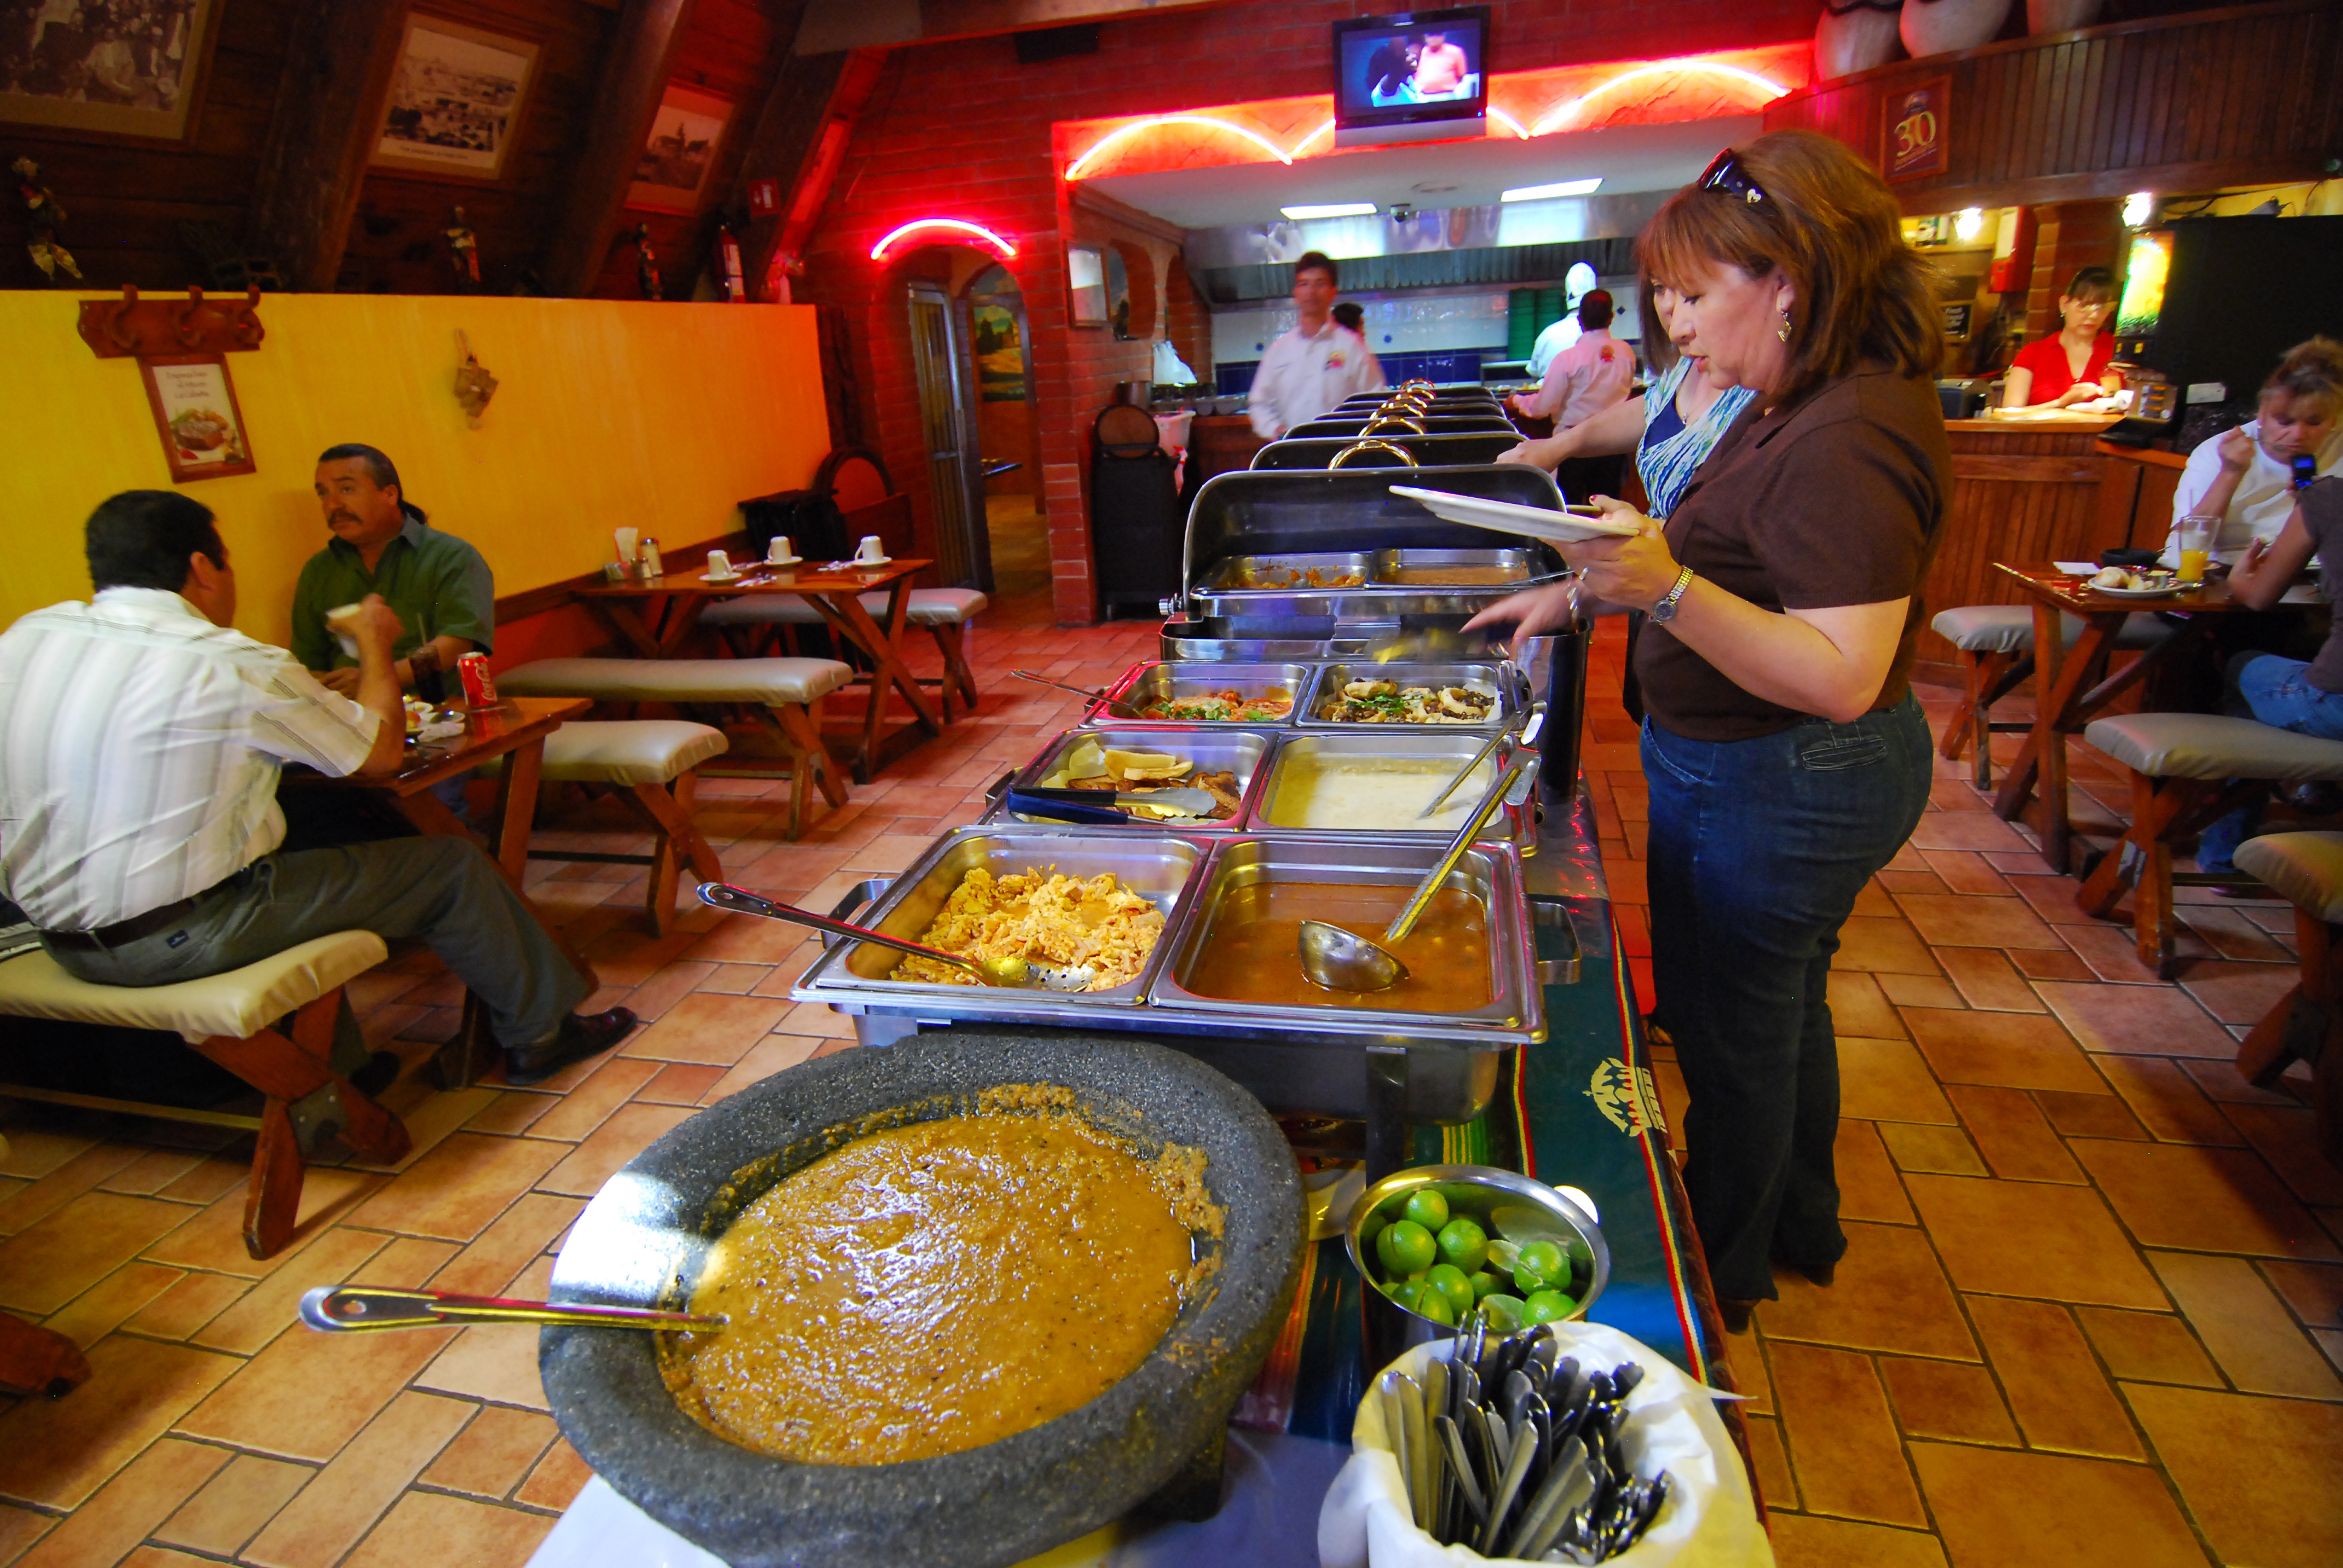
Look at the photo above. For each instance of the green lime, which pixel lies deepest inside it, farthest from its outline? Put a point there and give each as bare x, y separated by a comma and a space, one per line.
1433, 1303
1463, 1243
1407, 1292
1548, 1307
1505, 1313
1450, 1282
1369, 1229
1482, 1283
1544, 1261
1406, 1248
1427, 1208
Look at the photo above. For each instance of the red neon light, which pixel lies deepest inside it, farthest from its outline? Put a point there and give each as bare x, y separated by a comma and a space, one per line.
879, 251
1205, 121
1747, 78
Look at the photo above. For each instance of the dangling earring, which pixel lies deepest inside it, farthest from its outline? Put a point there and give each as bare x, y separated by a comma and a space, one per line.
1783, 331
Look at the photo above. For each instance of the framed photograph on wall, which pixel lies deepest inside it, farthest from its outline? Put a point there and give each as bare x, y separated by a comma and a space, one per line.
455, 100
671, 174
1086, 277
196, 415
132, 71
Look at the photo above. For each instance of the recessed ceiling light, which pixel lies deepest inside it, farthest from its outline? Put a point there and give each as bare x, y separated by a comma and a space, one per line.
1330, 209
1563, 188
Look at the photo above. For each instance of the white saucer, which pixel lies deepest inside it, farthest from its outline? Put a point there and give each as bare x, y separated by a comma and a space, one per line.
881, 562
2166, 592
727, 578
785, 561
1508, 517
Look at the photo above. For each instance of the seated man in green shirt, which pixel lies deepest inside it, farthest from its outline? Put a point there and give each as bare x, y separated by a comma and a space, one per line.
439, 586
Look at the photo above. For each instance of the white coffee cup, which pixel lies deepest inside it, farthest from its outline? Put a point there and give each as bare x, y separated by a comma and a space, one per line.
870, 550
720, 565
779, 549
340, 616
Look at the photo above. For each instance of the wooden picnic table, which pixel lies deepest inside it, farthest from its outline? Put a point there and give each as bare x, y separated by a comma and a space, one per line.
2071, 686
514, 730
656, 617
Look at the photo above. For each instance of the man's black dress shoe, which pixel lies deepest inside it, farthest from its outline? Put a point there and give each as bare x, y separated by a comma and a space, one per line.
581, 1035
1735, 1313
1819, 1273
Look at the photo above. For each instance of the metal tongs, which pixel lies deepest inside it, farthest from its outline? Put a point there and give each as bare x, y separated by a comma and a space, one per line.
352, 1310
1001, 971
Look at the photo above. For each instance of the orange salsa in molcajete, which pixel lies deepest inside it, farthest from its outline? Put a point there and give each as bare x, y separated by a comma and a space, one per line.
1254, 951
934, 1287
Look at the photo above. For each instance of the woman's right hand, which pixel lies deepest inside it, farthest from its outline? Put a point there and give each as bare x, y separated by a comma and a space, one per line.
1532, 612
2236, 449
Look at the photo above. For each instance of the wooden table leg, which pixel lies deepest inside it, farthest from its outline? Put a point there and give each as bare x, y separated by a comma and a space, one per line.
619, 616
35, 1359
517, 808
2061, 676
882, 645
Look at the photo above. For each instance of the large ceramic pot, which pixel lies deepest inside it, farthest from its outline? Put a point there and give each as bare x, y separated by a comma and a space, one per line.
1855, 36
645, 1237
1943, 27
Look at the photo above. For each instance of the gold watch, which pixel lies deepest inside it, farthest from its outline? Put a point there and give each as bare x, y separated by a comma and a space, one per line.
1665, 610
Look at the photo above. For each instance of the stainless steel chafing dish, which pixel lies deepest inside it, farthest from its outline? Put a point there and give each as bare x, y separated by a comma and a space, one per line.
1443, 754
1213, 749
1144, 684
1502, 681
1158, 866
1322, 515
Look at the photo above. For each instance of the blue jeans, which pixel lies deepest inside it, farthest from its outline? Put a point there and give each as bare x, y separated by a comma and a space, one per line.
1758, 850
2275, 690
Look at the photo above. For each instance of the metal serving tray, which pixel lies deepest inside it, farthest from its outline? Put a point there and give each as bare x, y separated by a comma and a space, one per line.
1212, 747
1515, 1013
1505, 682
1256, 574
1146, 683
1400, 568
1163, 868
1368, 743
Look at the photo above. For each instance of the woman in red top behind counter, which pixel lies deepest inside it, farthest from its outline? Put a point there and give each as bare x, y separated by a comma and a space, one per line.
2072, 367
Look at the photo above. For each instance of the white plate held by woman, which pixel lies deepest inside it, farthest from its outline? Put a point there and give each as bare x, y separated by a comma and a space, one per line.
1572, 527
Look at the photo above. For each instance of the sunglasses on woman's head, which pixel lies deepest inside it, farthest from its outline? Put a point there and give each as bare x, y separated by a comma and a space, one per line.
1725, 173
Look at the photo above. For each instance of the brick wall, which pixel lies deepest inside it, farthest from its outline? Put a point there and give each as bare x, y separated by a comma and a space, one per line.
962, 130
2067, 237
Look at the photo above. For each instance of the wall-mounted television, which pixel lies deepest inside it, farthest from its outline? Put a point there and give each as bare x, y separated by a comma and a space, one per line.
1418, 77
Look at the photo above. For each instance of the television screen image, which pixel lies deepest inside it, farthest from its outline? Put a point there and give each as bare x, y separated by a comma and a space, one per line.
1423, 68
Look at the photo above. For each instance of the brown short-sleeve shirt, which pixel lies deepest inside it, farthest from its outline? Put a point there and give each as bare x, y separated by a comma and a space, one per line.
1837, 501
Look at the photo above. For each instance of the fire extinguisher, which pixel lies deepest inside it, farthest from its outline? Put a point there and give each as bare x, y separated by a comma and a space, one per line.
728, 257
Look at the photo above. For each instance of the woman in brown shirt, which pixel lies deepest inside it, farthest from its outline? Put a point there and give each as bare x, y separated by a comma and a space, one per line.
1786, 758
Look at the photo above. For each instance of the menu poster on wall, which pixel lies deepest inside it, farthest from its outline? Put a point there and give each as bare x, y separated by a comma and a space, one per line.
197, 415
1916, 132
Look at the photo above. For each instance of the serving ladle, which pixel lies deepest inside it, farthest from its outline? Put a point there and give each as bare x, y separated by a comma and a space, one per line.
1344, 960
351, 1310
1120, 709
1003, 971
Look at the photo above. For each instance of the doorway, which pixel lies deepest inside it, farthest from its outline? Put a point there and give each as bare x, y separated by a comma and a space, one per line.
1019, 538
938, 354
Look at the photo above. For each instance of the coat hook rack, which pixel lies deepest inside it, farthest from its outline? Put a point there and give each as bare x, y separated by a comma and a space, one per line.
118, 329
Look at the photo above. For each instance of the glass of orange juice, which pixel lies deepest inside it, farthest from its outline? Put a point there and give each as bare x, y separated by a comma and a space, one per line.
2196, 543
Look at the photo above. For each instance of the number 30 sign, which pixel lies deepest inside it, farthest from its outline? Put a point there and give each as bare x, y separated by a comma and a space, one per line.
1917, 129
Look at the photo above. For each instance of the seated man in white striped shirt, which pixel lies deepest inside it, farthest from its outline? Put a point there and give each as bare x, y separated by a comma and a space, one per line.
140, 743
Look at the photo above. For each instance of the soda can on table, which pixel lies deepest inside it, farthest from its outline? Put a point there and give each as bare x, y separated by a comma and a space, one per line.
479, 685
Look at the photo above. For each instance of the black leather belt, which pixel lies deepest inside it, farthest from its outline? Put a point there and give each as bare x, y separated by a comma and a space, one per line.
128, 930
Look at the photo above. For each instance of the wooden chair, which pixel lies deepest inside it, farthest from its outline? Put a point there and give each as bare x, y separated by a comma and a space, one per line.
235, 1020
652, 765
1997, 644
2187, 772
2307, 1023
778, 695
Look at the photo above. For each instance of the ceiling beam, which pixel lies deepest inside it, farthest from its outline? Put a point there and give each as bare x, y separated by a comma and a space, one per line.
636, 64
330, 101
831, 24
800, 140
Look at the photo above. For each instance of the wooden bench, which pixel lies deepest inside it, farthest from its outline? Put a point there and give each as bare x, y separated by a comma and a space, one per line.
778, 692
1997, 644
748, 625
234, 1019
652, 765
2307, 1023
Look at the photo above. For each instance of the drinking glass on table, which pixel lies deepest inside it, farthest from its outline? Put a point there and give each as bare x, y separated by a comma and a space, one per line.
2196, 533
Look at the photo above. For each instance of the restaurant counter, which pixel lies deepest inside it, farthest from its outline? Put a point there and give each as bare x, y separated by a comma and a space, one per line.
2022, 490
1579, 1109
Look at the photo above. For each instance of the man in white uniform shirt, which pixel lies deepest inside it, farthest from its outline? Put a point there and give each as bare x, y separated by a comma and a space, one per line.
1310, 369
140, 744
1560, 334
1590, 376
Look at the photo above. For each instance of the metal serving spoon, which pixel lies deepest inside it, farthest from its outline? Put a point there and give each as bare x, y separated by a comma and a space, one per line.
1004, 970
1121, 709
348, 1310
1343, 961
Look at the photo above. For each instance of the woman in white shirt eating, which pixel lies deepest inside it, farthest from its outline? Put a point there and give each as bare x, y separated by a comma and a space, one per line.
2246, 476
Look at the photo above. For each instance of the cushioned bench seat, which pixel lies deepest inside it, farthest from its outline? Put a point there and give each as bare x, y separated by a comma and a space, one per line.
945, 613
2210, 746
777, 691
2304, 868
653, 764
232, 1019
1997, 642
2307, 1023
2009, 628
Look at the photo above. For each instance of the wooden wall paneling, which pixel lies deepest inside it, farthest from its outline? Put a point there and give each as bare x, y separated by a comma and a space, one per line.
399, 242
783, 140
636, 65
2017, 496
330, 99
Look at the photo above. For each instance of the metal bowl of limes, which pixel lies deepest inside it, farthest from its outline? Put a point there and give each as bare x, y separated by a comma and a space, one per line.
1442, 1242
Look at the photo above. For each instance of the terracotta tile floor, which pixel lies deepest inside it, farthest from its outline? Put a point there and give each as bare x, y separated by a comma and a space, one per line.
2093, 1314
